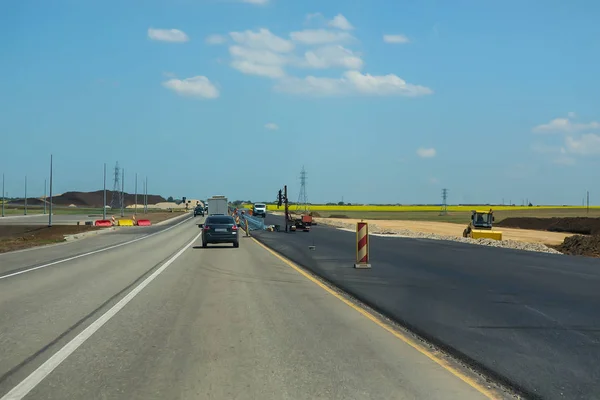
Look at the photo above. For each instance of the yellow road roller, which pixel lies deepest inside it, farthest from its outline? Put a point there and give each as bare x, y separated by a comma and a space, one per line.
481, 226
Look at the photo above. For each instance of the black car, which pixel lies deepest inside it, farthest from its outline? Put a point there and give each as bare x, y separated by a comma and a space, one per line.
199, 210
220, 229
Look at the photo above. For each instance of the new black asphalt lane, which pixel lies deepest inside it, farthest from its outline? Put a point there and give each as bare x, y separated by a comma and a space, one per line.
531, 319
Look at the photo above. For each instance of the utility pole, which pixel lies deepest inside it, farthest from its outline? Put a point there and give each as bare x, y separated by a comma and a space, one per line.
25, 212
104, 195
285, 198
588, 202
135, 205
123, 193
2, 195
50, 214
45, 196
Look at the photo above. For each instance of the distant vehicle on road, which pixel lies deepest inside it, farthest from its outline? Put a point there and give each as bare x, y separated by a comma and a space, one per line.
220, 229
259, 210
217, 205
199, 210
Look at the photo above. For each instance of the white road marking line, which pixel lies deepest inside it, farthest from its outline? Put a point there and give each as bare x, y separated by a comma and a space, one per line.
29, 383
92, 252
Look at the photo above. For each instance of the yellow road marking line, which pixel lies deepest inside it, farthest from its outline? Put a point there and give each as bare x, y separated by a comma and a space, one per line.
407, 340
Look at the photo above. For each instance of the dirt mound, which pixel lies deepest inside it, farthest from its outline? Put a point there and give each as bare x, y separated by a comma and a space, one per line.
87, 199
580, 245
579, 225
95, 199
31, 201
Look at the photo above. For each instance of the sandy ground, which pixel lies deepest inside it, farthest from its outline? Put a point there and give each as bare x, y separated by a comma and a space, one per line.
445, 228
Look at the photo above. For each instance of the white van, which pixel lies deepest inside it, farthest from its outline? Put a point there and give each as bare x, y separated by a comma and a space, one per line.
259, 210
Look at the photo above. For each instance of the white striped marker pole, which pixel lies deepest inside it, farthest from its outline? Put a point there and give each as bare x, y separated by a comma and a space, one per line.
362, 245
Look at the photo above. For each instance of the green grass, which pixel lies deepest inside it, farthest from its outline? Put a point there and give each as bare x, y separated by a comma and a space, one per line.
462, 216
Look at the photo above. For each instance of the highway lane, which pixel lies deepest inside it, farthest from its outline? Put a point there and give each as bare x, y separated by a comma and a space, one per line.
215, 323
530, 317
34, 257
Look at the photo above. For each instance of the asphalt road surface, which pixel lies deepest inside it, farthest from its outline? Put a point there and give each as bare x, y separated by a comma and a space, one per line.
162, 318
530, 318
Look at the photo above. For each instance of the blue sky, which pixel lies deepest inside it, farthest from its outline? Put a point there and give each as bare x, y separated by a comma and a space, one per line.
381, 101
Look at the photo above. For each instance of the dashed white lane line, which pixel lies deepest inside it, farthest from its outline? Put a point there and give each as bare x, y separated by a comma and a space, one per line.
29, 383
91, 252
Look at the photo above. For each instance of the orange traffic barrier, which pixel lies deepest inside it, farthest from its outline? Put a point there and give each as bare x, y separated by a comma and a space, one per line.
143, 222
103, 222
362, 245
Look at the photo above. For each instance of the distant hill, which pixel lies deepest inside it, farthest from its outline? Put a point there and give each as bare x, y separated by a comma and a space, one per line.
90, 199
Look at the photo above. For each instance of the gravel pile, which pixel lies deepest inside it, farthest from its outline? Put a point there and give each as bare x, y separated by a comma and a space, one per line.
508, 244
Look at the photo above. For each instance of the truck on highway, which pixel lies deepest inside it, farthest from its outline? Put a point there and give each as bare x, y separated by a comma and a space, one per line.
217, 205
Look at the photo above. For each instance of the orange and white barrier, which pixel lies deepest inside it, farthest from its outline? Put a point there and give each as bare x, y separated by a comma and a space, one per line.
362, 245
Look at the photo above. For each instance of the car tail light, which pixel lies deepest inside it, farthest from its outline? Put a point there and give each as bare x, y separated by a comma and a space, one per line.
234, 228
206, 227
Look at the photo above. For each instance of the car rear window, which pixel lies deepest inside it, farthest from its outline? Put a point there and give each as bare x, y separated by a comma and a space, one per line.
219, 220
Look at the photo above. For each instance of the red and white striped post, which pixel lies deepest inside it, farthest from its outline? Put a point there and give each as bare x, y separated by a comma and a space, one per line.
362, 245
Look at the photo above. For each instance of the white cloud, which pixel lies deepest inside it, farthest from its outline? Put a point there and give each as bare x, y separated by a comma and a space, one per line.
257, 56
216, 39
250, 68
262, 39
312, 86
197, 86
385, 85
258, 61
352, 83
332, 56
426, 152
271, 126
340, 22
434, 181
168, 35
565, 125
578, 140
169, 74
256, 2
310, 17
395, 39
586, 144
320, 36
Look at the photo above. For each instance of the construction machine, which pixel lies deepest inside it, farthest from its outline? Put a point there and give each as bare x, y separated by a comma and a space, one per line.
481, 226
297, 224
